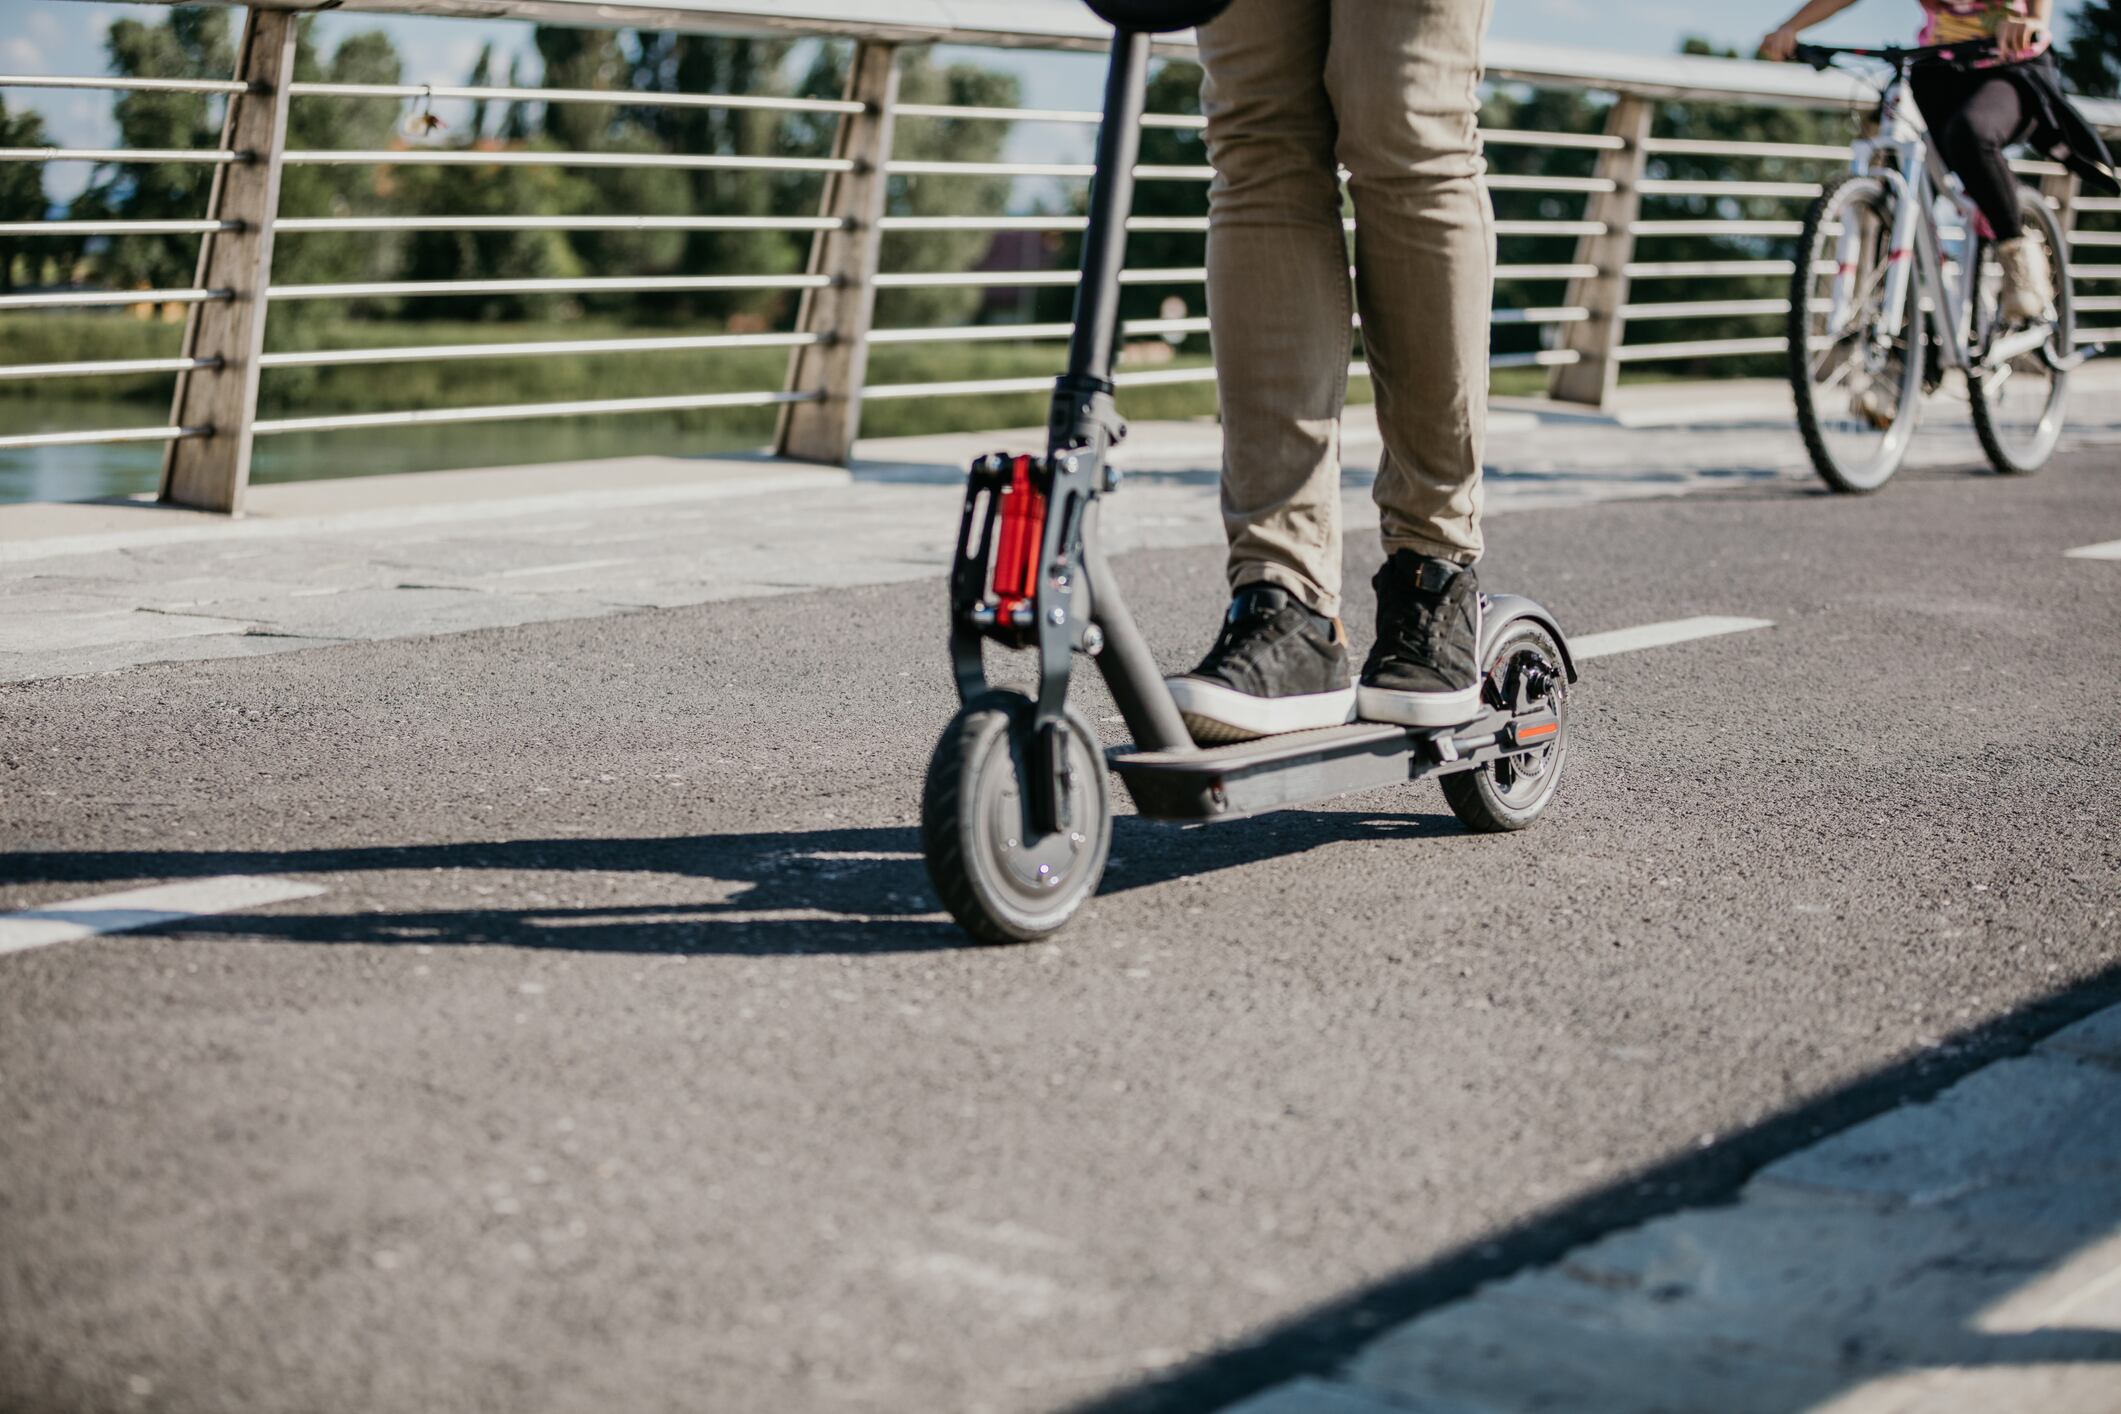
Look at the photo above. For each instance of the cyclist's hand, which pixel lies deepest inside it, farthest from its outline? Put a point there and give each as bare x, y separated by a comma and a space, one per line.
1778, 46
2018, 37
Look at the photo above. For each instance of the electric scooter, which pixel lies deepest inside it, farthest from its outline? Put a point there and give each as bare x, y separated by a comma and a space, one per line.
1016, 814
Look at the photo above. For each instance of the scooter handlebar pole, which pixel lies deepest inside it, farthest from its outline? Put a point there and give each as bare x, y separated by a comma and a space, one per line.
1119, 141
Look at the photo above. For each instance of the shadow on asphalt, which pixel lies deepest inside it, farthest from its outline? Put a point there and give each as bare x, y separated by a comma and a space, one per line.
1320, 1341
841, 891
864, 891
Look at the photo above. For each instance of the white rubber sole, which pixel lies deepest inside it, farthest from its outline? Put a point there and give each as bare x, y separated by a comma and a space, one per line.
1215, 713
1417, 709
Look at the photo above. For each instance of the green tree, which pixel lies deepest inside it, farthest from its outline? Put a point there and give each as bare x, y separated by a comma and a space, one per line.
665, 62
515, 120
188, 43
921, 80
1175, 89
595, 59
2092, 59
496, 190
21, 186
481, 76
1732, 124
486, 254
1714, 123
581, 58
327, 190
1537, 110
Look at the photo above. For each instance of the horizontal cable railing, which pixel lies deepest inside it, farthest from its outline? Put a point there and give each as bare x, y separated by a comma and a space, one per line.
313, 225
482, 157
578, 285
99, 437
141, 155
1670, 210
435, 417
57, 299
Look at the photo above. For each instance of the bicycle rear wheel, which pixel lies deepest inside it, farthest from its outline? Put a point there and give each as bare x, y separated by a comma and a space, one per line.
2018, 406
1858, 389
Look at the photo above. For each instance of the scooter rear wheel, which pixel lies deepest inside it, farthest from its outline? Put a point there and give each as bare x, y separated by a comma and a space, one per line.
1002, 879
1511, 793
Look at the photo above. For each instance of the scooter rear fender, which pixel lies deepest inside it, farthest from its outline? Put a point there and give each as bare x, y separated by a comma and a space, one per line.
1506, 609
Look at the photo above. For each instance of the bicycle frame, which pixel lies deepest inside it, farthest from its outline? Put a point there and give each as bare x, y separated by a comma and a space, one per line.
1902, 156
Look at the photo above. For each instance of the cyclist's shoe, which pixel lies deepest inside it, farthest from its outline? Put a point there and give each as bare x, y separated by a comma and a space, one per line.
1876, 404
2028, 294
1275, 667
1424, 669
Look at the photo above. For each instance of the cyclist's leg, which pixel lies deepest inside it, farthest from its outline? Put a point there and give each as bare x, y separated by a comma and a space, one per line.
1277, 293
1404, 76
1974, 116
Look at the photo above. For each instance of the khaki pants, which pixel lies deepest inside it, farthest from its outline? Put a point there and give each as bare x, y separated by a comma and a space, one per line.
1386, 89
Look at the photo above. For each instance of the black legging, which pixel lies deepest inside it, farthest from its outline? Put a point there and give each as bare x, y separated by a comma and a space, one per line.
1975, 114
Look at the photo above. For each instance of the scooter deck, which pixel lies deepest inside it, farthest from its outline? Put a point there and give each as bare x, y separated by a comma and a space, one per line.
1294, 768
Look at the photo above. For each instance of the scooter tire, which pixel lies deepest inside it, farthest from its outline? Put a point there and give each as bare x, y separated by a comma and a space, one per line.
1514, 792
1001, 879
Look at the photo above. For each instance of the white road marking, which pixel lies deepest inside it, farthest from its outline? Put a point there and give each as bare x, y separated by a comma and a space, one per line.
1628, 640
2111, 550
70, 920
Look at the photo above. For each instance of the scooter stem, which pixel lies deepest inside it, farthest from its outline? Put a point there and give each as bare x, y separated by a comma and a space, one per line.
1119, 141
1083, 415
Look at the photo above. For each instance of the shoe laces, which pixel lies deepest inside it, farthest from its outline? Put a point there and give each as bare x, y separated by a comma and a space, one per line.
1248, 614
1416, 620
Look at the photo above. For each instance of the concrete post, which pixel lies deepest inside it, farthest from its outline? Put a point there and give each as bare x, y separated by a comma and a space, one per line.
211, 473
824, 431
1592, 378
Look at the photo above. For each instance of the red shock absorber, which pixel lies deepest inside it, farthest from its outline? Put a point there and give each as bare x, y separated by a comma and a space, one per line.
1018, 540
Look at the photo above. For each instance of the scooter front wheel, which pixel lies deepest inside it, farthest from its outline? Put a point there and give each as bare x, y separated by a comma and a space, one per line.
1003, 878
1511, 793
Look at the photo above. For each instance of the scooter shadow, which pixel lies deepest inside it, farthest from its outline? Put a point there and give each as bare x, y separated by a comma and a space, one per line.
856, 891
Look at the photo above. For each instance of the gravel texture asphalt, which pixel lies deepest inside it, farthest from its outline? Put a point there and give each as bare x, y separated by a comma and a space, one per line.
625, 1062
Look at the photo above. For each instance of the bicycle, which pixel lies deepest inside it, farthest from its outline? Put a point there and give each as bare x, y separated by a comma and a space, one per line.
1881, 305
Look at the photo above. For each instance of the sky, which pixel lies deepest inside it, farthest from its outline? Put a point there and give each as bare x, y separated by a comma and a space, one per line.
66, 37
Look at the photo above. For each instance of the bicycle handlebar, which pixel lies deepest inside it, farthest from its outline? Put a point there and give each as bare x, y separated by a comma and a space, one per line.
1822, 56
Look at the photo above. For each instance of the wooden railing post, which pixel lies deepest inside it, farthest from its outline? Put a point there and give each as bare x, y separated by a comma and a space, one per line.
1591, 379
212, 472
836, 369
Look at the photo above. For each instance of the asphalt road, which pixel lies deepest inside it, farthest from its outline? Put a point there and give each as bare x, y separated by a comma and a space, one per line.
624, 1063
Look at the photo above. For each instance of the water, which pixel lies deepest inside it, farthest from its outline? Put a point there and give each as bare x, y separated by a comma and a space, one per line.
85, 473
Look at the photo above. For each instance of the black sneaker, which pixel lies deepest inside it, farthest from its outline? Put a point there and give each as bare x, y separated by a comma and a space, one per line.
1424, 669
1275, 667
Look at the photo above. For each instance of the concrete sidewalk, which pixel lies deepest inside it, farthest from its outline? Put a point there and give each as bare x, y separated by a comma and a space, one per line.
93, 587
1954, 1257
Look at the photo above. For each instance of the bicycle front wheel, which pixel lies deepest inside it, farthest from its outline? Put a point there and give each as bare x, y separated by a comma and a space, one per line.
1858, 385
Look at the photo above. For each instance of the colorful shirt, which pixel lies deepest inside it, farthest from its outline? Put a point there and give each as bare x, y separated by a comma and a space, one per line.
1957, 21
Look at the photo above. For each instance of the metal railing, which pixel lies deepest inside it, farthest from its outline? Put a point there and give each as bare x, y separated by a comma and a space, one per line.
1585, 311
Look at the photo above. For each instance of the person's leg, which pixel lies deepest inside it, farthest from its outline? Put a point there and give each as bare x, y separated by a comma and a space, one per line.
1279, 301
1278, 294
1990, 118
1992, 115
1404, 76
